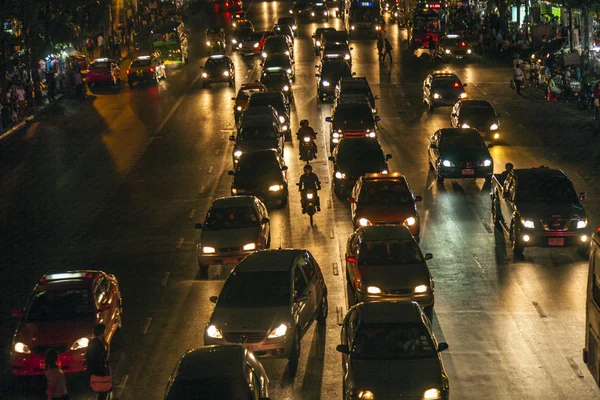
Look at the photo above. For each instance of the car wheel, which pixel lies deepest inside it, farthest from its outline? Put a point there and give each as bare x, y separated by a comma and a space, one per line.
439, 178
203, 271
295, 353
323, 310
517, 248
495, 216
429, 312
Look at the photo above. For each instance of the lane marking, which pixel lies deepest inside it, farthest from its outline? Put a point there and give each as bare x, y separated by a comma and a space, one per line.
336, 271
147, 325
331, 233
329, 203
192, 213
575, 367
165, 279
120, 387
179, 243
484, 92
210, 170
339, 315
217, 152
539, 309
202, 189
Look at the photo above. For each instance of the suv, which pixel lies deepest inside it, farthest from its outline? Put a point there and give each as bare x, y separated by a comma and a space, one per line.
257, 133
268, 302
318, 38
384, 199
356, 86
337, 50
351, 117
278, 101
478, 114
268, 112
330, 71
233, 228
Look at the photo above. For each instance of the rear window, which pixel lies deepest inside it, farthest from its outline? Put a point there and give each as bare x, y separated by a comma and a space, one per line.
100, 65
359, 151
450, 82
275, 101
60, 305
384, 193
140, 63
254, 36
231, 218
256, 290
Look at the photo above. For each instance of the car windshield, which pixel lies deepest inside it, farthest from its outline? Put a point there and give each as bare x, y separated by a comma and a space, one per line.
550, 189
392, 341
277, 61
60, 305
276, 102
469, 141
255, 164
100, 65
256, 289
453, 41
231, 218
477, 111
140, 62
271, 77
353, 117
211, 388
357, 89
450, 82
286, 21
336, 68
336, 48
242, 30
358, 151
213, 63
254, 37
257, 133
389, 252
385, 193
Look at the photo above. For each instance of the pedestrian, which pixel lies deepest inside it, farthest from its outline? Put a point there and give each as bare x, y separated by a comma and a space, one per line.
89, 44
380, 47
388, 50
518, 78
20, 92
96, 358
56, 388
554, 90
100, 42
79, 89
51, 83
597, 100
432, 46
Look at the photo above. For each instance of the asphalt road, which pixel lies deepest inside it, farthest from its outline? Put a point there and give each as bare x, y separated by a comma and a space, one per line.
118, 182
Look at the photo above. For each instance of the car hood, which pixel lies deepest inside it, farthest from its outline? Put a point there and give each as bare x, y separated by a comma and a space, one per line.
481, 123
411, 378
54, 332
258, 182
474, 156
277, 85
248, 145
395, 276
390, 212
231, 319
358, 168
448, 92
537, 210
230, 237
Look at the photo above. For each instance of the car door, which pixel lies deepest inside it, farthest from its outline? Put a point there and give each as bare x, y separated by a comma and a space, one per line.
315, 280
302, 310
454, 117
507, 199
352, 259
434, 153
106, 305
355, 195
427, 87
262, 214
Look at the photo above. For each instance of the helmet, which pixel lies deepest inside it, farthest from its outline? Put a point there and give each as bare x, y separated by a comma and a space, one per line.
308, 168
303, 122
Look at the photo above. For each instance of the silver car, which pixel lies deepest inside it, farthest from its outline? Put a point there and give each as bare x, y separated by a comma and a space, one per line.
234, 227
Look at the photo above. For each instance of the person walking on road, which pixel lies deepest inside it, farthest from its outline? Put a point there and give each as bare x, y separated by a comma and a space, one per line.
432, 49
519, 76
380, 48
56, 388
387, 50
96, 358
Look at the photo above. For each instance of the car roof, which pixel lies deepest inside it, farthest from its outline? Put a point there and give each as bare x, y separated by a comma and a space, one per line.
376, 176
269, 260
385, 232
476, 103
211, 361
389, 312
218, 57
261, 153
457, 131
274, 95
444, 74
233, 201
102, 60
257, 121
536, 173
254, 85
357, 143
70, 279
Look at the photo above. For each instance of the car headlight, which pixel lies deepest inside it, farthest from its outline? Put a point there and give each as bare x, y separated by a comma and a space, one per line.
255, 45
237, 153
437, 96
340, 175
352, 27
239, 108
447, 163
239, 45
312, 14
289, 70
373, 290
286, 88
233, 41
264, 55
465, 126
582, 223
324, 12
370, 134
469, 51
278, 332
346, 56
275, 188
364, 222
284, 128
487, 162
493, 127
410, 221
291, 11
420, 289
306, 139
204, 75
325, 83
318, 43
214, 332
366, 395
81, 343
432, 394
208, 250
249, 246
281, 119
208, 43
463, 95
377, 28
527, 223
21, 348
336, 135
225, 73
448, 51
294, 27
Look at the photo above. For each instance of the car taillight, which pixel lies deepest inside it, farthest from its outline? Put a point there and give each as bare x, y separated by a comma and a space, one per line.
351, 259
128, 72
463, 44
456, 84
151, 69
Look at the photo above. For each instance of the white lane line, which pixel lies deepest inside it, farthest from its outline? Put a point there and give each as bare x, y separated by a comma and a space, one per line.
339, 315
331, 233
539, 309
202, 189
217, 152
484, 92
147, 325
175, 106
210, 170
179, 243
329, 203
575, 367
223, 137
192, 213
165, 279
336, 271
120, 387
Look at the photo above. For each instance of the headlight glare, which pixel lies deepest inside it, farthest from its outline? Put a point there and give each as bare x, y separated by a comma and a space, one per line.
364, 222
463, 95
410, 221
420, 289
325, 83
233, 41
239, 108
582, 223
431, 394
278, 332
225, 73
249, 246
204, 75
366, 395
527, 223
275, 188
447, 51
318, 43
286, 88
340, 175
346, 56
255, 45
373, 290
465, 126
306, 139
81, 343
208, 250
493, 127
214, 332
237, 153
281, 119
487, 163
437, 96
21, 348
447, 163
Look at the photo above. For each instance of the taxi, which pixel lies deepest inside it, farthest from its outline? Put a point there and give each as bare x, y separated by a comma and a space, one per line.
454, 46
145, 69
61, 313
103, 71
243, 95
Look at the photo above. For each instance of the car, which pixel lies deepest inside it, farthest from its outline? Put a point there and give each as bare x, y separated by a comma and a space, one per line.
318, 12
147, 68
291, 21
243, 96
238, 35
352, 158
218, 68
477, 114
225, 372
234, 7
335, 50
357, 85
242, 23
214, 35
442, 88
458, 153
261, 173
385, 199
280, 60
384, 263
453, 46
330, 71
233, 228
397, 14
61, 313
103, 70
278, 80
275, 99
253, 43
277, 44
257, 133
389, 351
351, 117
268, 302
318, 38
268, 113
285, 30
333, 36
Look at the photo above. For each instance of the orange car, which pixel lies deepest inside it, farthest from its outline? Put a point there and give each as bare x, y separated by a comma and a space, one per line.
61, 313
243, 95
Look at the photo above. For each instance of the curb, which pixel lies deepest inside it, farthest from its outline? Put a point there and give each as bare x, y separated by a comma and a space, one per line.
23, 124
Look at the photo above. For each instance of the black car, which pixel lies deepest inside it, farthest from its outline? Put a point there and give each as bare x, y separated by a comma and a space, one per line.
442, 88
291, 21
330, 71
278, 80
351, 118
318, 12
389, 351
266, 112
224, 372
355, 157
261, 173
257, 133
477, 114
238, 35
457, 153
318, 38
334, 37
275, 99
356, 86
284, 30
280, 61
218, 68
277, 44
336, 50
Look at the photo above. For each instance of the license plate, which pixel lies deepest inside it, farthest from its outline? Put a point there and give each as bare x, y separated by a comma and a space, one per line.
556, 241
140, 73
468, 172
230, 260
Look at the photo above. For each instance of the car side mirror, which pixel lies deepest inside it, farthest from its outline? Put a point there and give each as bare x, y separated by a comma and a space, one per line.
388, 157
464, 85
331, 158
18, 314
284, 168
343, 348
442, 346
230, 173
232, 138
265, 220
418, 198
300, 299
489, 146
328, 119
213, 299
351, 48
352, 200
428, 256
582, 196
377, 118
376, 97
434, 146
198, 226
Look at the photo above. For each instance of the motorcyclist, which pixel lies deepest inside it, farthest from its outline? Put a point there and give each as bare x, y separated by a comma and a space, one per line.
304, 131
309, 180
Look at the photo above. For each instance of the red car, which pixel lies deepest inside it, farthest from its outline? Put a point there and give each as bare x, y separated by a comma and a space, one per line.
103, 71
61, 313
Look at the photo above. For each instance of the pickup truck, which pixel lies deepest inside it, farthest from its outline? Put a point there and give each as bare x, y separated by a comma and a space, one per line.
538, 207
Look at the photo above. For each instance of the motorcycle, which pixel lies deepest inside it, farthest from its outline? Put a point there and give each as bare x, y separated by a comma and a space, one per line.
309, 202
307, 148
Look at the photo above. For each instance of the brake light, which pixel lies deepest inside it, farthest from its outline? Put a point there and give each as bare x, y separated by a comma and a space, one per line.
463, 44
151, 69
128, 72
456, 84
353, 260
